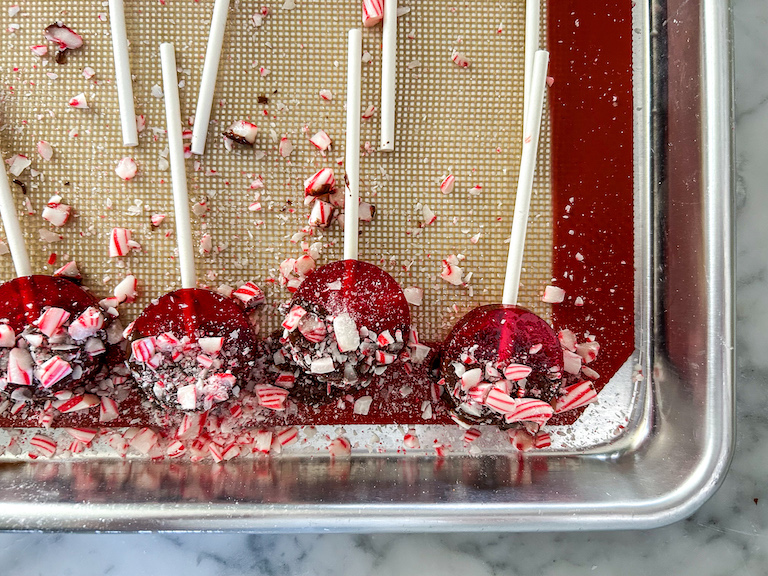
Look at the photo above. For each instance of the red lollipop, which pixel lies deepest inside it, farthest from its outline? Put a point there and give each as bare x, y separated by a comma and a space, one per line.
192, 348
349, 320
53, 333
502, 364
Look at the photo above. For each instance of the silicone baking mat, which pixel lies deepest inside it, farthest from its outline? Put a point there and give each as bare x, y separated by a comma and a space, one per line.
450, 120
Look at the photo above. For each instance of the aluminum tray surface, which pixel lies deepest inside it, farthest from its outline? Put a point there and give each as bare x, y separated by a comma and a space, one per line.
664, 403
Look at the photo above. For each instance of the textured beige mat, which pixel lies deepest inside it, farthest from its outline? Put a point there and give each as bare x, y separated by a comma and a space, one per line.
450, 120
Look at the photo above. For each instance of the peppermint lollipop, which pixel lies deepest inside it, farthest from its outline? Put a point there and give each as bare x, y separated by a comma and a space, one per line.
53, 333
501, 363
348, 320
192, 348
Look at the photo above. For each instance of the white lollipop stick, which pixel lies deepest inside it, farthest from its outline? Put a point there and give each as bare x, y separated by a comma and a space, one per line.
388, 45
178, 170
352, 153
208, 80
525, 178
532, 8
16, 244
123, 73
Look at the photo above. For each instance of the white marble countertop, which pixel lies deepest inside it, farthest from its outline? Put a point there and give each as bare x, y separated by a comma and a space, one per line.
728, 535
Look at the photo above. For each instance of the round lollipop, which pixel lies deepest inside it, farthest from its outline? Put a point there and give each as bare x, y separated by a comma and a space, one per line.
349, 320
502, 364
53, 333
192, 348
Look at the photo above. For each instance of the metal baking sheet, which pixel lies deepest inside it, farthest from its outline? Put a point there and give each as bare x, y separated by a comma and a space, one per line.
605, 473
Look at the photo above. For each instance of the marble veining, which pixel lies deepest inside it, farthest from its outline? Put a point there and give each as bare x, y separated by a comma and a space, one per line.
729, 535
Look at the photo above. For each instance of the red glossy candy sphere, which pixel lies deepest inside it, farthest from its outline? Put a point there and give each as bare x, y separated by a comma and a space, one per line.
192, 348
494, 338
193, 312
368, 294
347, 320
63, 332
22, 300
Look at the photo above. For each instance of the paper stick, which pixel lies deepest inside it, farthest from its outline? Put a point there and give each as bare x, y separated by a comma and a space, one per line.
178, 170
388, 45
123, 79
12, 227
208, 80
352, 152
532, 8
525, 178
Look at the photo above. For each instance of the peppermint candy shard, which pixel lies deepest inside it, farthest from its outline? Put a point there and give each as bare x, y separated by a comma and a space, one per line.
272, 397
516, 372
44, 445
52, 371
250, 295
542, 440
529, 410
576, 396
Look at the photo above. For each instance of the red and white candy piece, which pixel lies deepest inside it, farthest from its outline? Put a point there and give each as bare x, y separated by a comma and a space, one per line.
322, 214
452, 273
588, 351
567, 340
86, 324
39, 50
249, 294
125, 291
516, 372
45, 150
55, 212
285, 147
211, 344
448, 184
288, 436
64, 37
108, 409
7, 336
52, 371
20, 367
553, 295
321, 140
70, 270
272, 397
529, 410
126, 168
186, 396
242, 132
471, 378
79, 101
44, 445
340, 448
119, 242
143, 349
460, 59
576, 396
51, 320
373, 12
295, 314
321, 182
18, 163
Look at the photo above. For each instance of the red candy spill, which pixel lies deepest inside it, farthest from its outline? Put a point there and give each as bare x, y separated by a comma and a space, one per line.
495, 360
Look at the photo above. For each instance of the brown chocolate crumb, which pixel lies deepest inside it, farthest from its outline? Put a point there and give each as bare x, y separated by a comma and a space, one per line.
21, 185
